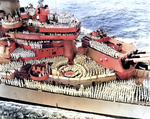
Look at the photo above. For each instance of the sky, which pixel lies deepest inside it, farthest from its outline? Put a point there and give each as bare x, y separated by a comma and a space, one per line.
51, 3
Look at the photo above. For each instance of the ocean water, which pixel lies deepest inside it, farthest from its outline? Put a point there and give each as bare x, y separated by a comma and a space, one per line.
128, 20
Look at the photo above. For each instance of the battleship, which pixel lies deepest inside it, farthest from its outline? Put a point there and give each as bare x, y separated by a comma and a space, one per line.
39, 57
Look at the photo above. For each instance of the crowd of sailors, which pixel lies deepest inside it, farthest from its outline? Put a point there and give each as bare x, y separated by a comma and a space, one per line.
21, 52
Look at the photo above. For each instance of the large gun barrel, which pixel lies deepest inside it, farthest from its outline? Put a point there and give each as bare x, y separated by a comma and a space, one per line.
136, 60
141, 55
139, 61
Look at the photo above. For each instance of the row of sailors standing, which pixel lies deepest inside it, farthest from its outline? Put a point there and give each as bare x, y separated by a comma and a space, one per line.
33, 44
21, 52
10, 20
52, 24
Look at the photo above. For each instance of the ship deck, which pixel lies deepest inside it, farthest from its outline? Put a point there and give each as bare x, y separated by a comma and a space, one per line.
75, 103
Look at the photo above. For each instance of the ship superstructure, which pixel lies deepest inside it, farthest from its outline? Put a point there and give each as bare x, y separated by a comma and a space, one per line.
38, 52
